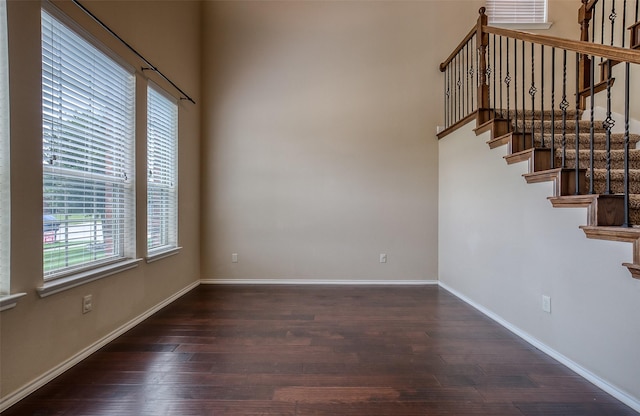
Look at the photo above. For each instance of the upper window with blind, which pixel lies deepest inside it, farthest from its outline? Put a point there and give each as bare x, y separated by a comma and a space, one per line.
87, 152
524, 13
4, 153
162, 191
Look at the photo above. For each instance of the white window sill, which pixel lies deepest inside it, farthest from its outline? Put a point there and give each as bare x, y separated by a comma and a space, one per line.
523, 26
68, 282
161, 254
9, 301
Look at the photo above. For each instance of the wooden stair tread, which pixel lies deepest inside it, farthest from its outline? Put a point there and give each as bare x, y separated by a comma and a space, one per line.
622, 234
499, 141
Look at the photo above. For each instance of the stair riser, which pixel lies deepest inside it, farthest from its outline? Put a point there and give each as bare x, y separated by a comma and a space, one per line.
617, 186
599, 164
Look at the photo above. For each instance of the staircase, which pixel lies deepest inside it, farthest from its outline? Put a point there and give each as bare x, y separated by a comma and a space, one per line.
536, 108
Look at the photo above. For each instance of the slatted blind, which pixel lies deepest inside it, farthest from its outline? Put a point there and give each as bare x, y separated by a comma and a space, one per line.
4, 153
517, 11
162, 195
87, 149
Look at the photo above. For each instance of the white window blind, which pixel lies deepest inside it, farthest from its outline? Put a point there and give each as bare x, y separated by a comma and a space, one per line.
87, 153
162, 192
517, 11
4, 153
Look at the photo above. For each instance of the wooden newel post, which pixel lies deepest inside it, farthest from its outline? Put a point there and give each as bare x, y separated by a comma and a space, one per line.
482, 38
584, 71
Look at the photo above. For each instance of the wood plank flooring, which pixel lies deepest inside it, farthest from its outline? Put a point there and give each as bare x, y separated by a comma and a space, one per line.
319, 350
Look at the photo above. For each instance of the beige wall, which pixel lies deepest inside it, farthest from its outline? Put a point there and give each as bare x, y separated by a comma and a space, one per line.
513, 247
40, 333
318, 132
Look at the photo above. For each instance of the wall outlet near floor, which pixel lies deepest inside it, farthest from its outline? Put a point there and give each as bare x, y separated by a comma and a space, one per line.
234, 257
87, 303
546, 303
383, 258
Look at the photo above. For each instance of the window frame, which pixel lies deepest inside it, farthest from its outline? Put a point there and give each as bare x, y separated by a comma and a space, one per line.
64, 278
161, 138
511, 21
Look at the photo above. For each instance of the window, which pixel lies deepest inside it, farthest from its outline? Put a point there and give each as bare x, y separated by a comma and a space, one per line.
87, 153
517, 11
162, 193
4, 153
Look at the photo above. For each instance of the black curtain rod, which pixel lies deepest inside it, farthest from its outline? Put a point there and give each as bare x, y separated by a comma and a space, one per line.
150, 65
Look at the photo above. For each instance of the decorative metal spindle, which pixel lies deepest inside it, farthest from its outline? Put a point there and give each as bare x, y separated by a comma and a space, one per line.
553, 108
487, 74
474, 89
577, 170
626, 146
612, 19
542, 144
524, 126
564, 104
594, 13
466, 77
501, 107
592, 122
624, 23
494, 77
515, 85
507, 82
532, 93
602, 13
608, 125
444, 96
460, 114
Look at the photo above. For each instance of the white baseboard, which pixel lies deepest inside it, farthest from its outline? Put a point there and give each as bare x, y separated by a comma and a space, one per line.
625, 398
316, 282
43, 379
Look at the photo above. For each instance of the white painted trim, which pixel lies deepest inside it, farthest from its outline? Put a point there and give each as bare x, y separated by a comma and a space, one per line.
43, 379
316, 282
9, 301
163, 254
65, 283
624, 397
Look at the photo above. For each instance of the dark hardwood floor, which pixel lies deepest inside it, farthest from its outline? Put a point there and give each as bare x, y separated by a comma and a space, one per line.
319, 350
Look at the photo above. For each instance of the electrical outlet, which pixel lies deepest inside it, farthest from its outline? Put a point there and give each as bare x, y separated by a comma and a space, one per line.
546, 303
383, 258
234, 257
87, 303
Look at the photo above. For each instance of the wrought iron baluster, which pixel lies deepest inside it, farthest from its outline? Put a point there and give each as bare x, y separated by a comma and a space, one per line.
564, 104
487, 73
602, 13
524, 126
494, 77
532, 93
577, 146
466, 77
592, 123
507, 83
608, 125
500, 78
612, 19
624, 22
542, 143
553, 107
515, 85
626, 145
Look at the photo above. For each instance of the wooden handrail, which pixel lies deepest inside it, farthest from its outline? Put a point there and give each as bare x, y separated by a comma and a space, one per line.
471, 34
614, 53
